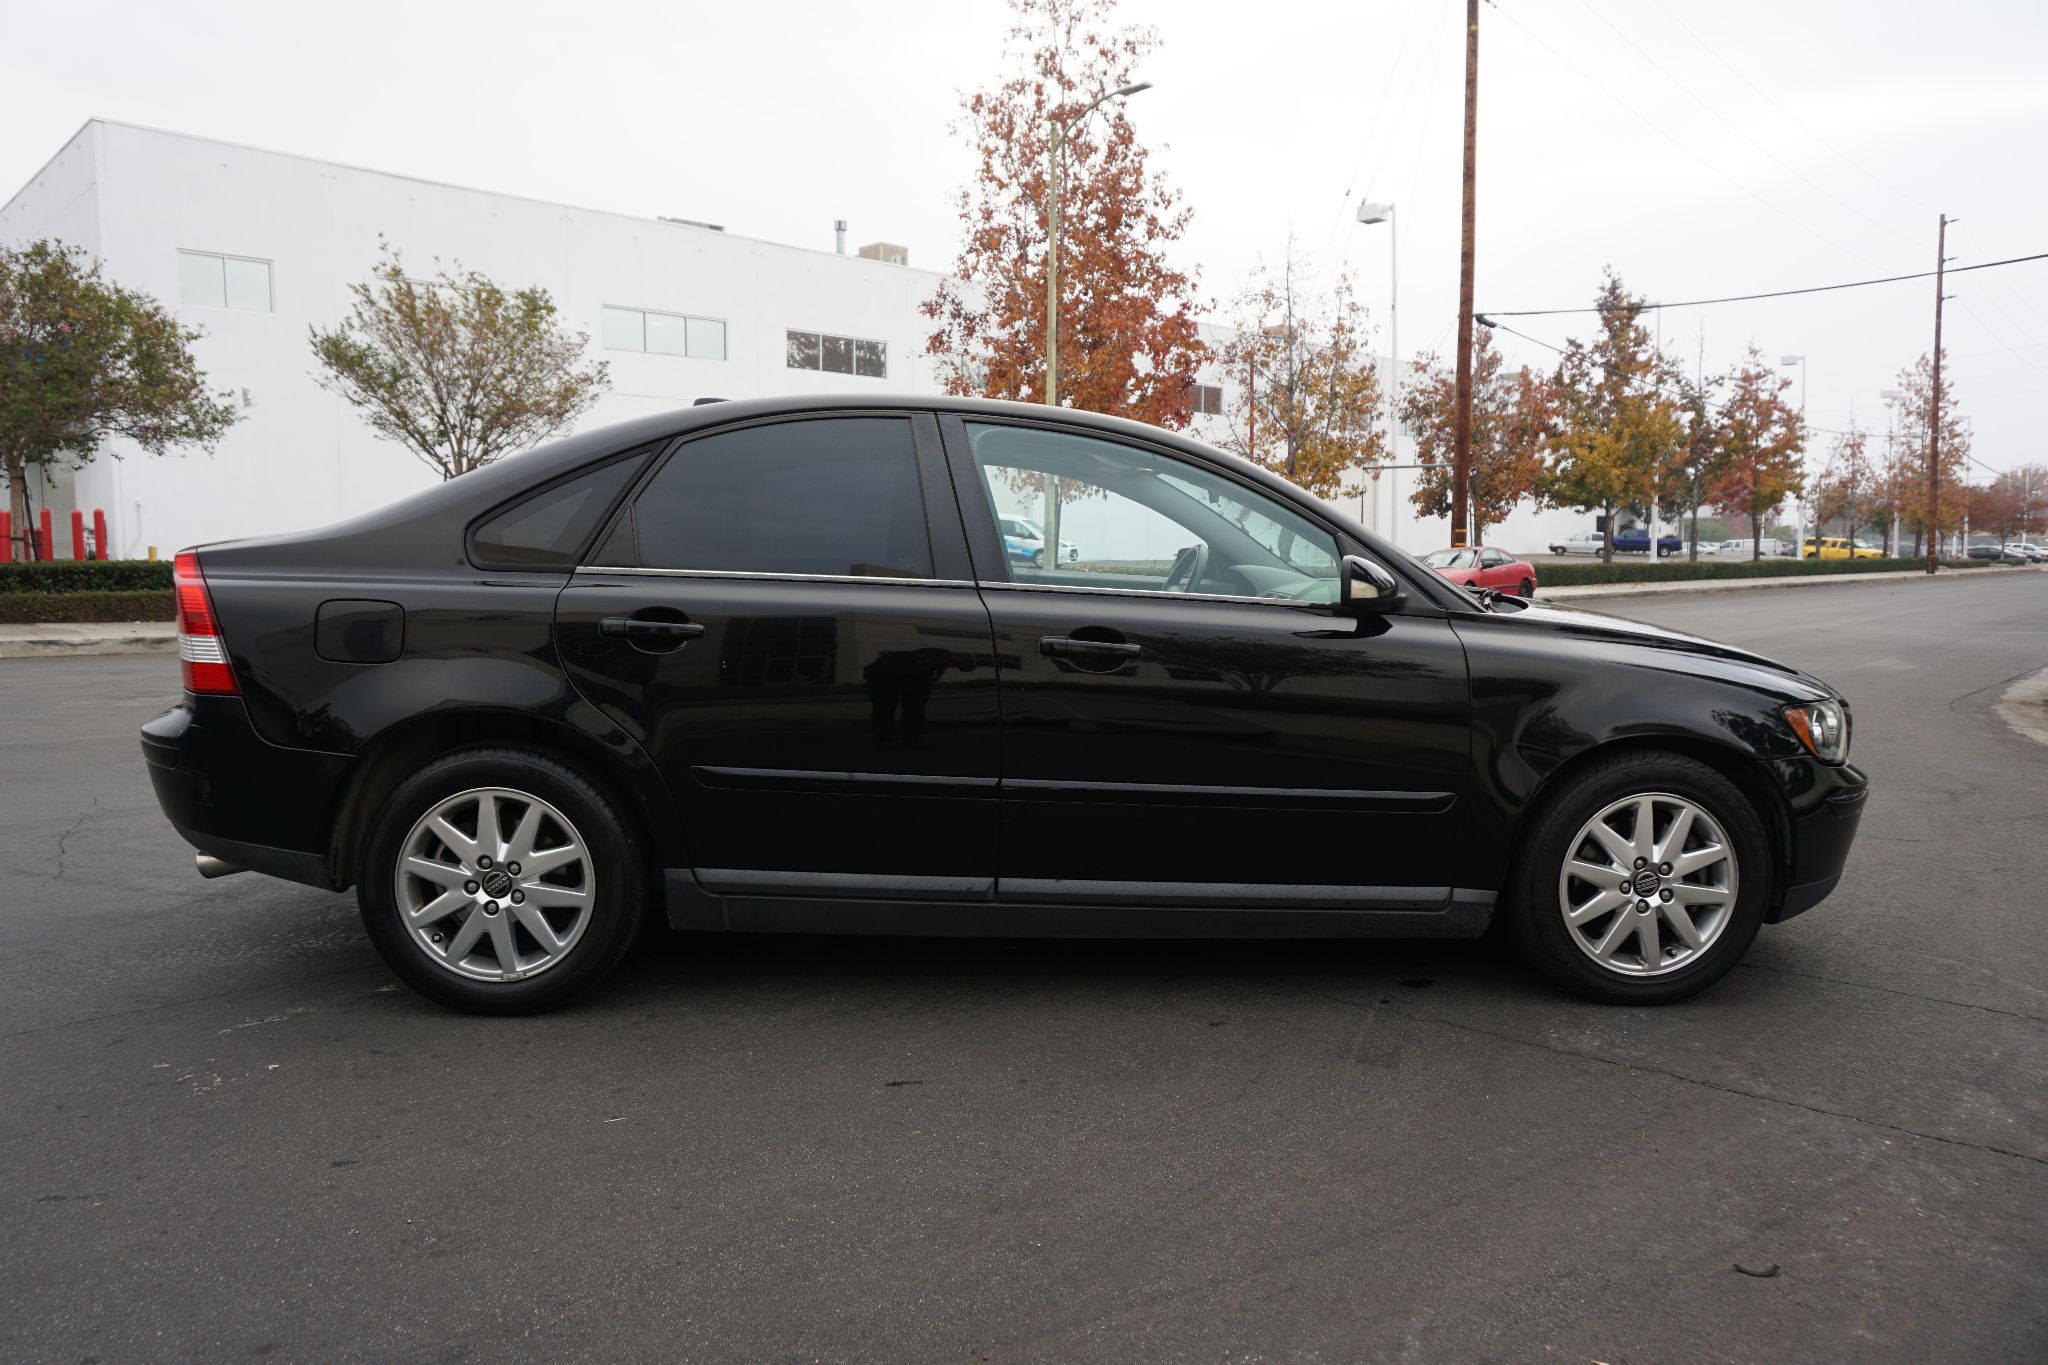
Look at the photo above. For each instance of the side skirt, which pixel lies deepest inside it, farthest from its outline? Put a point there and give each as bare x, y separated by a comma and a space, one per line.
1202, 911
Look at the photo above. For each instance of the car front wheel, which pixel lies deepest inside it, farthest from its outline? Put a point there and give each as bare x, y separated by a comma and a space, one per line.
1643, 881
501, 881
1528, 589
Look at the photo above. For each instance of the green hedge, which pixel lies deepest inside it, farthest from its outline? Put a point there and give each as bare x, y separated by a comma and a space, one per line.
1676, 569
38, 608
86, 575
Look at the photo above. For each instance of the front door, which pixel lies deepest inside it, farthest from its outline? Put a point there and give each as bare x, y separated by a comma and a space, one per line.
1186, 717
782, 625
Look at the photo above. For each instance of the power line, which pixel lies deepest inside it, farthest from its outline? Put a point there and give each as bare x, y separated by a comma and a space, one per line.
1773, 294
1658, 129
1737, 129
1790, 117
1372, 125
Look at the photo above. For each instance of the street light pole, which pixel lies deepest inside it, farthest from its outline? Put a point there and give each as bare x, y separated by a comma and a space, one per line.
1799, 531
1891, 470
1370, 213
1052, 239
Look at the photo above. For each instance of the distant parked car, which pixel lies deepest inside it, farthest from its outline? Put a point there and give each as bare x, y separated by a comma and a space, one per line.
1997, 554
1485, 567
1747, 549
1635, 540
1579, 543
1836, 547
1031, 541
2035, 553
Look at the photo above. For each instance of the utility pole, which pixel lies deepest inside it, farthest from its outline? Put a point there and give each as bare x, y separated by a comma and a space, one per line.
1934, 415
1461, 457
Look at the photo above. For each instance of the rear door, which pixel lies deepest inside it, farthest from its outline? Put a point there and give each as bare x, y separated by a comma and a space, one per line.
1186, 719
784, 618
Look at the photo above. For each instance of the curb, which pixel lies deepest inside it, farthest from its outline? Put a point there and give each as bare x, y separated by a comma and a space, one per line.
1590, 592
63, 641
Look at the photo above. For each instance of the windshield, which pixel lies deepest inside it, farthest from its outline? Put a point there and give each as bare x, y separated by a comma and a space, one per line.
1451, 559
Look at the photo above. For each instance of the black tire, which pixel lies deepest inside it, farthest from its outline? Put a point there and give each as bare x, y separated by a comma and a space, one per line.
614, 917
1530, 901
1038, 559
1528, 589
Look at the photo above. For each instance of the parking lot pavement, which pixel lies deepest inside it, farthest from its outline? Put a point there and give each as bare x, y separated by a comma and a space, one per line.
227, 1134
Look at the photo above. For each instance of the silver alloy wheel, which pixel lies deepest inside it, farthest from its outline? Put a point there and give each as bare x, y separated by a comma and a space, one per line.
495, 884
1648, 885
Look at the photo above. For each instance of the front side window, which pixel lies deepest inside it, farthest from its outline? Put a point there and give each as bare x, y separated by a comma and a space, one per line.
835, 497
1142, 521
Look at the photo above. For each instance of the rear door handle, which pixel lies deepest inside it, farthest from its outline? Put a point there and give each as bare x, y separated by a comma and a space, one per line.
1056, 646
638, 628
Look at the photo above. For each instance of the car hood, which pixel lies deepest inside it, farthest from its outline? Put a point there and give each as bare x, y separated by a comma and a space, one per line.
1597, 627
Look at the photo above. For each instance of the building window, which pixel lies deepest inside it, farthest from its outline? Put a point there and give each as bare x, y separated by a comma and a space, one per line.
1209, 400
837, 355
212, 281
638, 329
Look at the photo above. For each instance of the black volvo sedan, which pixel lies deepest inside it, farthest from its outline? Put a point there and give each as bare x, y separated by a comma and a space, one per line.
772, 665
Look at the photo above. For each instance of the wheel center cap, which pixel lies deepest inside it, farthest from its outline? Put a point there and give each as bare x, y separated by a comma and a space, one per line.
1647, 882
498, 883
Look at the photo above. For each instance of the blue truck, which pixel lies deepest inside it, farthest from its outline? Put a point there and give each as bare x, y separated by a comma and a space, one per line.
1636, 540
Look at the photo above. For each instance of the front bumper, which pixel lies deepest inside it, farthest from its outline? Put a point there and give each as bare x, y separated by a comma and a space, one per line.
1827, 803
230, 793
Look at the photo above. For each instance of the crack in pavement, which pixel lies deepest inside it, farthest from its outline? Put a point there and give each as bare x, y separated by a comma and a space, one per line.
64, 838
1703, 1084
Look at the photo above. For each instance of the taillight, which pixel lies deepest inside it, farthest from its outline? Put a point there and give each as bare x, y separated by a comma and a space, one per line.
201, 651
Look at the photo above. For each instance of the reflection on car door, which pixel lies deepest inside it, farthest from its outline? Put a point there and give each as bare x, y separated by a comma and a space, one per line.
1188, 720
779, 623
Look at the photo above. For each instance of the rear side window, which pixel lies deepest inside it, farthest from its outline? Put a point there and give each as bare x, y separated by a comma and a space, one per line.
547, 529
836, 496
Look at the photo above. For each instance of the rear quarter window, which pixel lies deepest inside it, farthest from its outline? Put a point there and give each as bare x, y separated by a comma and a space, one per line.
548, 529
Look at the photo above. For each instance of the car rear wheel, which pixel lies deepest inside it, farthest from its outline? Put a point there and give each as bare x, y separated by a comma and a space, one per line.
1642, 882
501, 881
1528, 589
1038, 559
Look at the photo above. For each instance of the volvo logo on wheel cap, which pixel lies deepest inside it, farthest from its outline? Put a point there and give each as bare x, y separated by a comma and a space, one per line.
498, 883
1647, 882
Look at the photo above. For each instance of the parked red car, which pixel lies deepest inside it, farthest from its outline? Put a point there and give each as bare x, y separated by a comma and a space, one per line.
1485, 567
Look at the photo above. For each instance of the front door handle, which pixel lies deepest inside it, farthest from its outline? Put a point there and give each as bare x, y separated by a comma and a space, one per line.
640, 628
1062, 646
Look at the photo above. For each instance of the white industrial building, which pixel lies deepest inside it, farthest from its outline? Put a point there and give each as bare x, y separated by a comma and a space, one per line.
256, 247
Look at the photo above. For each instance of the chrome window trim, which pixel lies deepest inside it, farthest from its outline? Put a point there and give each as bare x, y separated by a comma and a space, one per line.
777, 577
1155, 593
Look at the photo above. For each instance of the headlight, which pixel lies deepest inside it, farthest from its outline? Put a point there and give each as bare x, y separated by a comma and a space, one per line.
1823, 727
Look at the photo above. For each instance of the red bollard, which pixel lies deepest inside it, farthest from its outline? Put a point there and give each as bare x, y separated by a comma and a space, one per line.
77, 534
45, 541
99, 532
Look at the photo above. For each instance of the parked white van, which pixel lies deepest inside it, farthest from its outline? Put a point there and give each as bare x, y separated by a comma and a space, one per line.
1772, 548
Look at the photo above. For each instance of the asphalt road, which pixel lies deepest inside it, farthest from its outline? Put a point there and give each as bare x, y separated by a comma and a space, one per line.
226, 1134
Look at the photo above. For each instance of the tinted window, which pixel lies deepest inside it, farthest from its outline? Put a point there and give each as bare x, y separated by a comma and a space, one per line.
547, 529
835, 496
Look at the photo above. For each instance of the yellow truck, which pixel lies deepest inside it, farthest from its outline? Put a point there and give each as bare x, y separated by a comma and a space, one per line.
1837, 547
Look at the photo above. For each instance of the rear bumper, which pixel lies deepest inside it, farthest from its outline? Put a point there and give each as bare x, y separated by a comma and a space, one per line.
1824, 820
230, 793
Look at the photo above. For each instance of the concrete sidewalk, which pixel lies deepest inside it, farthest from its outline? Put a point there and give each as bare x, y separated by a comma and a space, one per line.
112, 637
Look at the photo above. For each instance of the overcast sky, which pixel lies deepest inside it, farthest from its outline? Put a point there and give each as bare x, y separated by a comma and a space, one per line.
1702, 150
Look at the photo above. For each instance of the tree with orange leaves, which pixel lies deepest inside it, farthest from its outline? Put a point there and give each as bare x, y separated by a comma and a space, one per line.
1309, 409
1762, 436
1514, 419
1128, 345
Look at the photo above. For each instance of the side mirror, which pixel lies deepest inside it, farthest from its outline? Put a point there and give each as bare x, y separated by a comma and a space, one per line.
1366, 588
